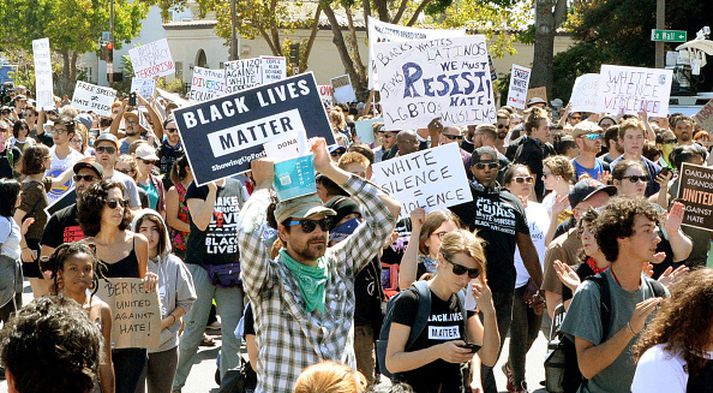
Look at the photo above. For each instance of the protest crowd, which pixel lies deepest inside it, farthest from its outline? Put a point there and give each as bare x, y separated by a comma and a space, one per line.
371, 249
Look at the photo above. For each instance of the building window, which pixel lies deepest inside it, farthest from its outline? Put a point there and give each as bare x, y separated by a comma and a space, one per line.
179, 70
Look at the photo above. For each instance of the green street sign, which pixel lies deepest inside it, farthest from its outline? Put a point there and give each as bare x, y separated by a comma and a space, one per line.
669, 35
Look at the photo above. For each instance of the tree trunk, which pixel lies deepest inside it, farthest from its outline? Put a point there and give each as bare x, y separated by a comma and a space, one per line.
383, 9
549, 15
65, 80
359, 82
312, 36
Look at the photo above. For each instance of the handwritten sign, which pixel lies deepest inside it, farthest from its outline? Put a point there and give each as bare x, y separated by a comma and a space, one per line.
44, 93
143, 86
207, 84
273, 68
93, 98
447, 78
517, 92
386, 32
242, 74
704, 117
152, 60
223, 135
136, 315
630, 90
584, 94
695, 191
431, 179
326, 93
343, 89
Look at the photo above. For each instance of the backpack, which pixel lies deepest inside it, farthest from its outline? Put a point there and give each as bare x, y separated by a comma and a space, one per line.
562, 373
420, 322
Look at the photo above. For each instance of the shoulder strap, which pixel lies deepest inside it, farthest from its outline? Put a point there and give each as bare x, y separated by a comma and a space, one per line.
604, 302
463, 311
424, 308
656, 287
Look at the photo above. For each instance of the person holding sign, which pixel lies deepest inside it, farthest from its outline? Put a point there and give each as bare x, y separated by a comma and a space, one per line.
306, 295
73, 268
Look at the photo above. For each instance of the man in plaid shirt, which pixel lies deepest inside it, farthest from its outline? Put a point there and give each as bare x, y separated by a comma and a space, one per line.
303, 300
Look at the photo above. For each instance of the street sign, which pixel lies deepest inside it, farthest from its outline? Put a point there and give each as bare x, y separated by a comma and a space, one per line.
669, 35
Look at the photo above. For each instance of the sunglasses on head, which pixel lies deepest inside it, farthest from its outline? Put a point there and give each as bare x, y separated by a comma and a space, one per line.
592, 136
526, 179
490, 165
635, 178
453, 137
105, 149
114, 203
84, 177
308, 226
460, 270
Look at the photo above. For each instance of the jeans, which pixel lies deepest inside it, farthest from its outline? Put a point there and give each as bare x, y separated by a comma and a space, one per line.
503, 310
161, 370
129, 368
230, 308
523, 332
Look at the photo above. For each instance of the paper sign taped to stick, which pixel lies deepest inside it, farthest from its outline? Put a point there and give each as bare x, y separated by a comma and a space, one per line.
704, 117
431, 179
630, 90
386, 32
273, 69
152, 60
222, 136
136, 315
584, 94
143, 86
695, 191
343, 89
540, 92
519, 81
207, 84
365, 129
43, 73
97, 99
447, 78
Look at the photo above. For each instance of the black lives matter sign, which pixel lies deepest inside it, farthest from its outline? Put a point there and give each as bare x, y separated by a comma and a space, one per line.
696, 193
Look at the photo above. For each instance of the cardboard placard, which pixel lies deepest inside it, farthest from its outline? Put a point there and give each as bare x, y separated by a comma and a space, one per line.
630, 90
695, 191
704, 117
283, 147
540, 92
431, 179
206, 84
68, 198
242, 74
584, 94
343, 90
97, 99
365, 129
273, 68
447, 78
44, 93
143, 86
222, 136
136, 315
152, 60
519, 81
386, 32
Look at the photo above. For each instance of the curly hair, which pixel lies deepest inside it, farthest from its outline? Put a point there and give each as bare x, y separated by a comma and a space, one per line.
93, 201
462, 241
51, 346
674, 326
616, 221
55, 262
434, 220
33, 161
561, 166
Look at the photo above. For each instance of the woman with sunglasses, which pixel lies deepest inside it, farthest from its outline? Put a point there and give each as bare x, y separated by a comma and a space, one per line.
421, 255
104, 216
21, 135
558, 175
433, 362
526, 309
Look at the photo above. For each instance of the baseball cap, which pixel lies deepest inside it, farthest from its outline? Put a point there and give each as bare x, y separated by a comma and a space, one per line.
339, 149
107, 137
535, 100
343, 206
131, 114
585, 127
85, 119
301, 207
90, 165
475, 157
585, 189
146, 152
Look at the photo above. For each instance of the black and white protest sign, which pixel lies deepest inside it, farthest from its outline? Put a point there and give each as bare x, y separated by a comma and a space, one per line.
152, 60
223, 135
431, 179
136, 321
242, 74
425, 79
43, 73
519, 82
97, 99
630, 90
695, 191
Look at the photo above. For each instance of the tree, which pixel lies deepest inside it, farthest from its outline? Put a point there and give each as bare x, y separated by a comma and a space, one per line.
549, 16
72, 26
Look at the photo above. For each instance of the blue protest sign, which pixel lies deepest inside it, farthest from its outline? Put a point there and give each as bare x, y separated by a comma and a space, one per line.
223, 135
365, 129
6, 72
295, 177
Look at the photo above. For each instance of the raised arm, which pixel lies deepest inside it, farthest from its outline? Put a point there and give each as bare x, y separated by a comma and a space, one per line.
409, 261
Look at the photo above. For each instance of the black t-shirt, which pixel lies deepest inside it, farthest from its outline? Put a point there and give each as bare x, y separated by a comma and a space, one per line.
368, 295
62, 227
564, 227
498, 216
6, 166
218, 244
393, 253
248, 321
445, 324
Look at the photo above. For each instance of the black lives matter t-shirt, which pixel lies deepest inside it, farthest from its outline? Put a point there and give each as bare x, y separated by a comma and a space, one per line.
498, 216
62, 227
218, 244
445, 323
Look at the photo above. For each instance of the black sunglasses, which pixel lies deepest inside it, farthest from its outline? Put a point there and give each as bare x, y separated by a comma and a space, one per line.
527, 179
490, 165
453, 137
84, 177
460, 270
308, 226
502, 126
635, 178
105, 149
114, 203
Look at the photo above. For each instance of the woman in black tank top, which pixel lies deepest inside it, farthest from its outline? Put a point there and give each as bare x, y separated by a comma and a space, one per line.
104, 216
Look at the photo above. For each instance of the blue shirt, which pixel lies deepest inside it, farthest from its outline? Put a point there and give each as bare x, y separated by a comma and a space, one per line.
595, 173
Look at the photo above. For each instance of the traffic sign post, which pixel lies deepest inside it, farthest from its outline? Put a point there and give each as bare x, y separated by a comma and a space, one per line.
669, 35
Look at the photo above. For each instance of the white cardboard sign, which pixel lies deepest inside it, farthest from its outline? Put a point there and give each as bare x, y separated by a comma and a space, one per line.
343, 90
44, 91
519, 82
242, 74
273, 68
97, 99
144, 86
152, 60
630, 90
207, 84
584, 96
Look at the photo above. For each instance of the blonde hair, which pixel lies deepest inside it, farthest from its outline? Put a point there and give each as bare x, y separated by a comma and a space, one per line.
560, 166
353, 157
462, 241
330, 377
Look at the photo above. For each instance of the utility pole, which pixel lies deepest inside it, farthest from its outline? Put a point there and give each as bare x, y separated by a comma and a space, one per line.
110, 61
660, 24
233, 31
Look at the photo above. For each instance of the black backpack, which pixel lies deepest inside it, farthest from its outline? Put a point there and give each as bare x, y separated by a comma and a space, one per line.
562, 373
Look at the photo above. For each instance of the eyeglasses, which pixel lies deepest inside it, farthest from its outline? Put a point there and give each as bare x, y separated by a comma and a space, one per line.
576, 117
147, 162
439, 234
126, 171
114, 203
308, 226
490, 165
76, 140
171, 130
669, 142
460, 270
453, 137
635, 178
105, 149
84, 177
336, 153
60, 130
592, 136
389, 135
527, 179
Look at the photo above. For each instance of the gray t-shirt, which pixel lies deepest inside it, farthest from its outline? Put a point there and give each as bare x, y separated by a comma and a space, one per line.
583, 320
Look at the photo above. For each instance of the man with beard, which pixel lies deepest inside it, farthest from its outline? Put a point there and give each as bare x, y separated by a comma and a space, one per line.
683, 128
171, 149
588, 137
303, 300
106, 152
132, 131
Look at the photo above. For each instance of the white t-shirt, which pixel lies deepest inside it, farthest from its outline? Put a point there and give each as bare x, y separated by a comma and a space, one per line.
57, 167
661, 371
539, 221
9, 238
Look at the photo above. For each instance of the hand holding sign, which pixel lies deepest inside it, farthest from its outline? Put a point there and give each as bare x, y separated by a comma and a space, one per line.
322, 161
263, 171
